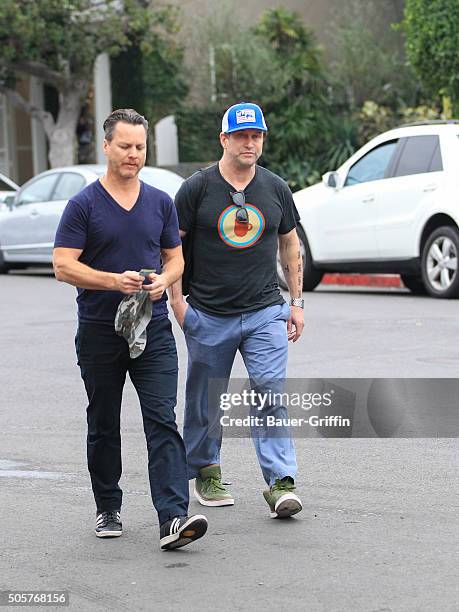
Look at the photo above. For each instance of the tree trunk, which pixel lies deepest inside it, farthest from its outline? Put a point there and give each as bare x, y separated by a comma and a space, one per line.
62, 133
447, 107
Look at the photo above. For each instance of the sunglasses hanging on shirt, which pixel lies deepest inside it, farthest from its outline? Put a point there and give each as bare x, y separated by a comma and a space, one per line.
238, 198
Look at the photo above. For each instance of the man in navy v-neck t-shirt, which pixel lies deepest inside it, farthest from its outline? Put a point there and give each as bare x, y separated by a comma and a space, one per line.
114, 239
109, 232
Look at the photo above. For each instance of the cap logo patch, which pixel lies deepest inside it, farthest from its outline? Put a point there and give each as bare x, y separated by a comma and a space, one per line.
246, 115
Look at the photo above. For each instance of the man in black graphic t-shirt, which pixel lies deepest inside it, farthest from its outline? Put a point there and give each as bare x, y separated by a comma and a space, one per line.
235, 265
238, 213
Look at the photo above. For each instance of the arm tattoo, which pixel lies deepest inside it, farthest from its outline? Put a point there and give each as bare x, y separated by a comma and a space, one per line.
300, 279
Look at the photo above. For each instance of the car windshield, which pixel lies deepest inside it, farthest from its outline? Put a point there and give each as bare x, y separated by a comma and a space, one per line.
162, 179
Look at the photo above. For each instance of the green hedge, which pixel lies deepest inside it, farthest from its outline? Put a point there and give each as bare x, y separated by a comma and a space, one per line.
198, 132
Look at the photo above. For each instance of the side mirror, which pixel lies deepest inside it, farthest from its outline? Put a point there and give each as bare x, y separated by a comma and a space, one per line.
331, 179
9, 201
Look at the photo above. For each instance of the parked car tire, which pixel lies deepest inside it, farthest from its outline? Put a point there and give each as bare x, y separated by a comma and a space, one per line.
414, 283
439, 263
311, 276
3, 267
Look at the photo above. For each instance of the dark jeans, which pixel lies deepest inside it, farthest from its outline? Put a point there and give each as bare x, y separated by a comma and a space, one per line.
104, 359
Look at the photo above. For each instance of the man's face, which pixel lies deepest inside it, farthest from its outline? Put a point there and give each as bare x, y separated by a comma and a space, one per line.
243, 147
126, 151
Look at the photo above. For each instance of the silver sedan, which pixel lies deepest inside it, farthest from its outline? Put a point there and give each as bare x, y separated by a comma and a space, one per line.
28, 225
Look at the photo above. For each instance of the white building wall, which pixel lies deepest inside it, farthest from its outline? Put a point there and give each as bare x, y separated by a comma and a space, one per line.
166, 141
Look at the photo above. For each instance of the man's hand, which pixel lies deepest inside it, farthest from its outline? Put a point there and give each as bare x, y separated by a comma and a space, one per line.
295, 324
158, 286
129, 282
180, 311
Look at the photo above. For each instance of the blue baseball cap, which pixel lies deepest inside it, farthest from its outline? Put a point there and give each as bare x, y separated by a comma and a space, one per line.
243, 116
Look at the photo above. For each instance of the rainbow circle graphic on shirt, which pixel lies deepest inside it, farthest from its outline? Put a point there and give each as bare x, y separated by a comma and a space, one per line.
241, 235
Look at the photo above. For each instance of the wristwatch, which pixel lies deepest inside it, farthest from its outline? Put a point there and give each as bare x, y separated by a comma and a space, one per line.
297, 302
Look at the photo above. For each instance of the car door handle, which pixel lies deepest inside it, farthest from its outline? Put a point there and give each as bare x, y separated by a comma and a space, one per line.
34, 213
430, 187
368, 198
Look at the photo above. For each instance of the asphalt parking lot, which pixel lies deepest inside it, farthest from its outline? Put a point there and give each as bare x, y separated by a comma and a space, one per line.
378, 529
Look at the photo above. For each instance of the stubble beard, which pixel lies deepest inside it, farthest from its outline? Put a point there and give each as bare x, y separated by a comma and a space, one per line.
245, 162
123, 172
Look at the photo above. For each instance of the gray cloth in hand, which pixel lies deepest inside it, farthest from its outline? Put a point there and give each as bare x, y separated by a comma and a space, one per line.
132, 318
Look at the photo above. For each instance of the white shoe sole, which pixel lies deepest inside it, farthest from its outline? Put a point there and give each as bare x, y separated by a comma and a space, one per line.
214, 502
108, 534
287, 505
193, 529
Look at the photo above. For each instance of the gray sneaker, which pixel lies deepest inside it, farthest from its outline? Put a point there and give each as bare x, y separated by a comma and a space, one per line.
209, 489
108, 524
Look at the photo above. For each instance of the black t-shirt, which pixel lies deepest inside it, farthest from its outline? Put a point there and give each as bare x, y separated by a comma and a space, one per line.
234, 264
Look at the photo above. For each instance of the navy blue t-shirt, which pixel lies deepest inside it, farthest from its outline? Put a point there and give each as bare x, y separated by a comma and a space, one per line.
115, 240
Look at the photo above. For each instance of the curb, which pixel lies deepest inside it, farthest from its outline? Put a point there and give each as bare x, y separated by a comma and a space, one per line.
363, 280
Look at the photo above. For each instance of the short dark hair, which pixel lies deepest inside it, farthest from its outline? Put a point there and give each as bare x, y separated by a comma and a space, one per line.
126, 115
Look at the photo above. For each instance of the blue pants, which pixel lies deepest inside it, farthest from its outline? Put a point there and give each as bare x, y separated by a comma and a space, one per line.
212, 343
104, 359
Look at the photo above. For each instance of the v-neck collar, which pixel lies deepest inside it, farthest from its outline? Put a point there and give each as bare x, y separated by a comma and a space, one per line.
117, 204
233, 188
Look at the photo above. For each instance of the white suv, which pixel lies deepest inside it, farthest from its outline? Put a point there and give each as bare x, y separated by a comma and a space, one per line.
393, 207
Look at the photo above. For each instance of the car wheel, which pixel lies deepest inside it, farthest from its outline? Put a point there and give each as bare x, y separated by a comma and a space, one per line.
439, 263
3, 267
311, 276
414, 283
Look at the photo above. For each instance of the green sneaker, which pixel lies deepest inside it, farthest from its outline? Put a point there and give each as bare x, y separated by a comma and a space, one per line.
282, 500
209, 489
